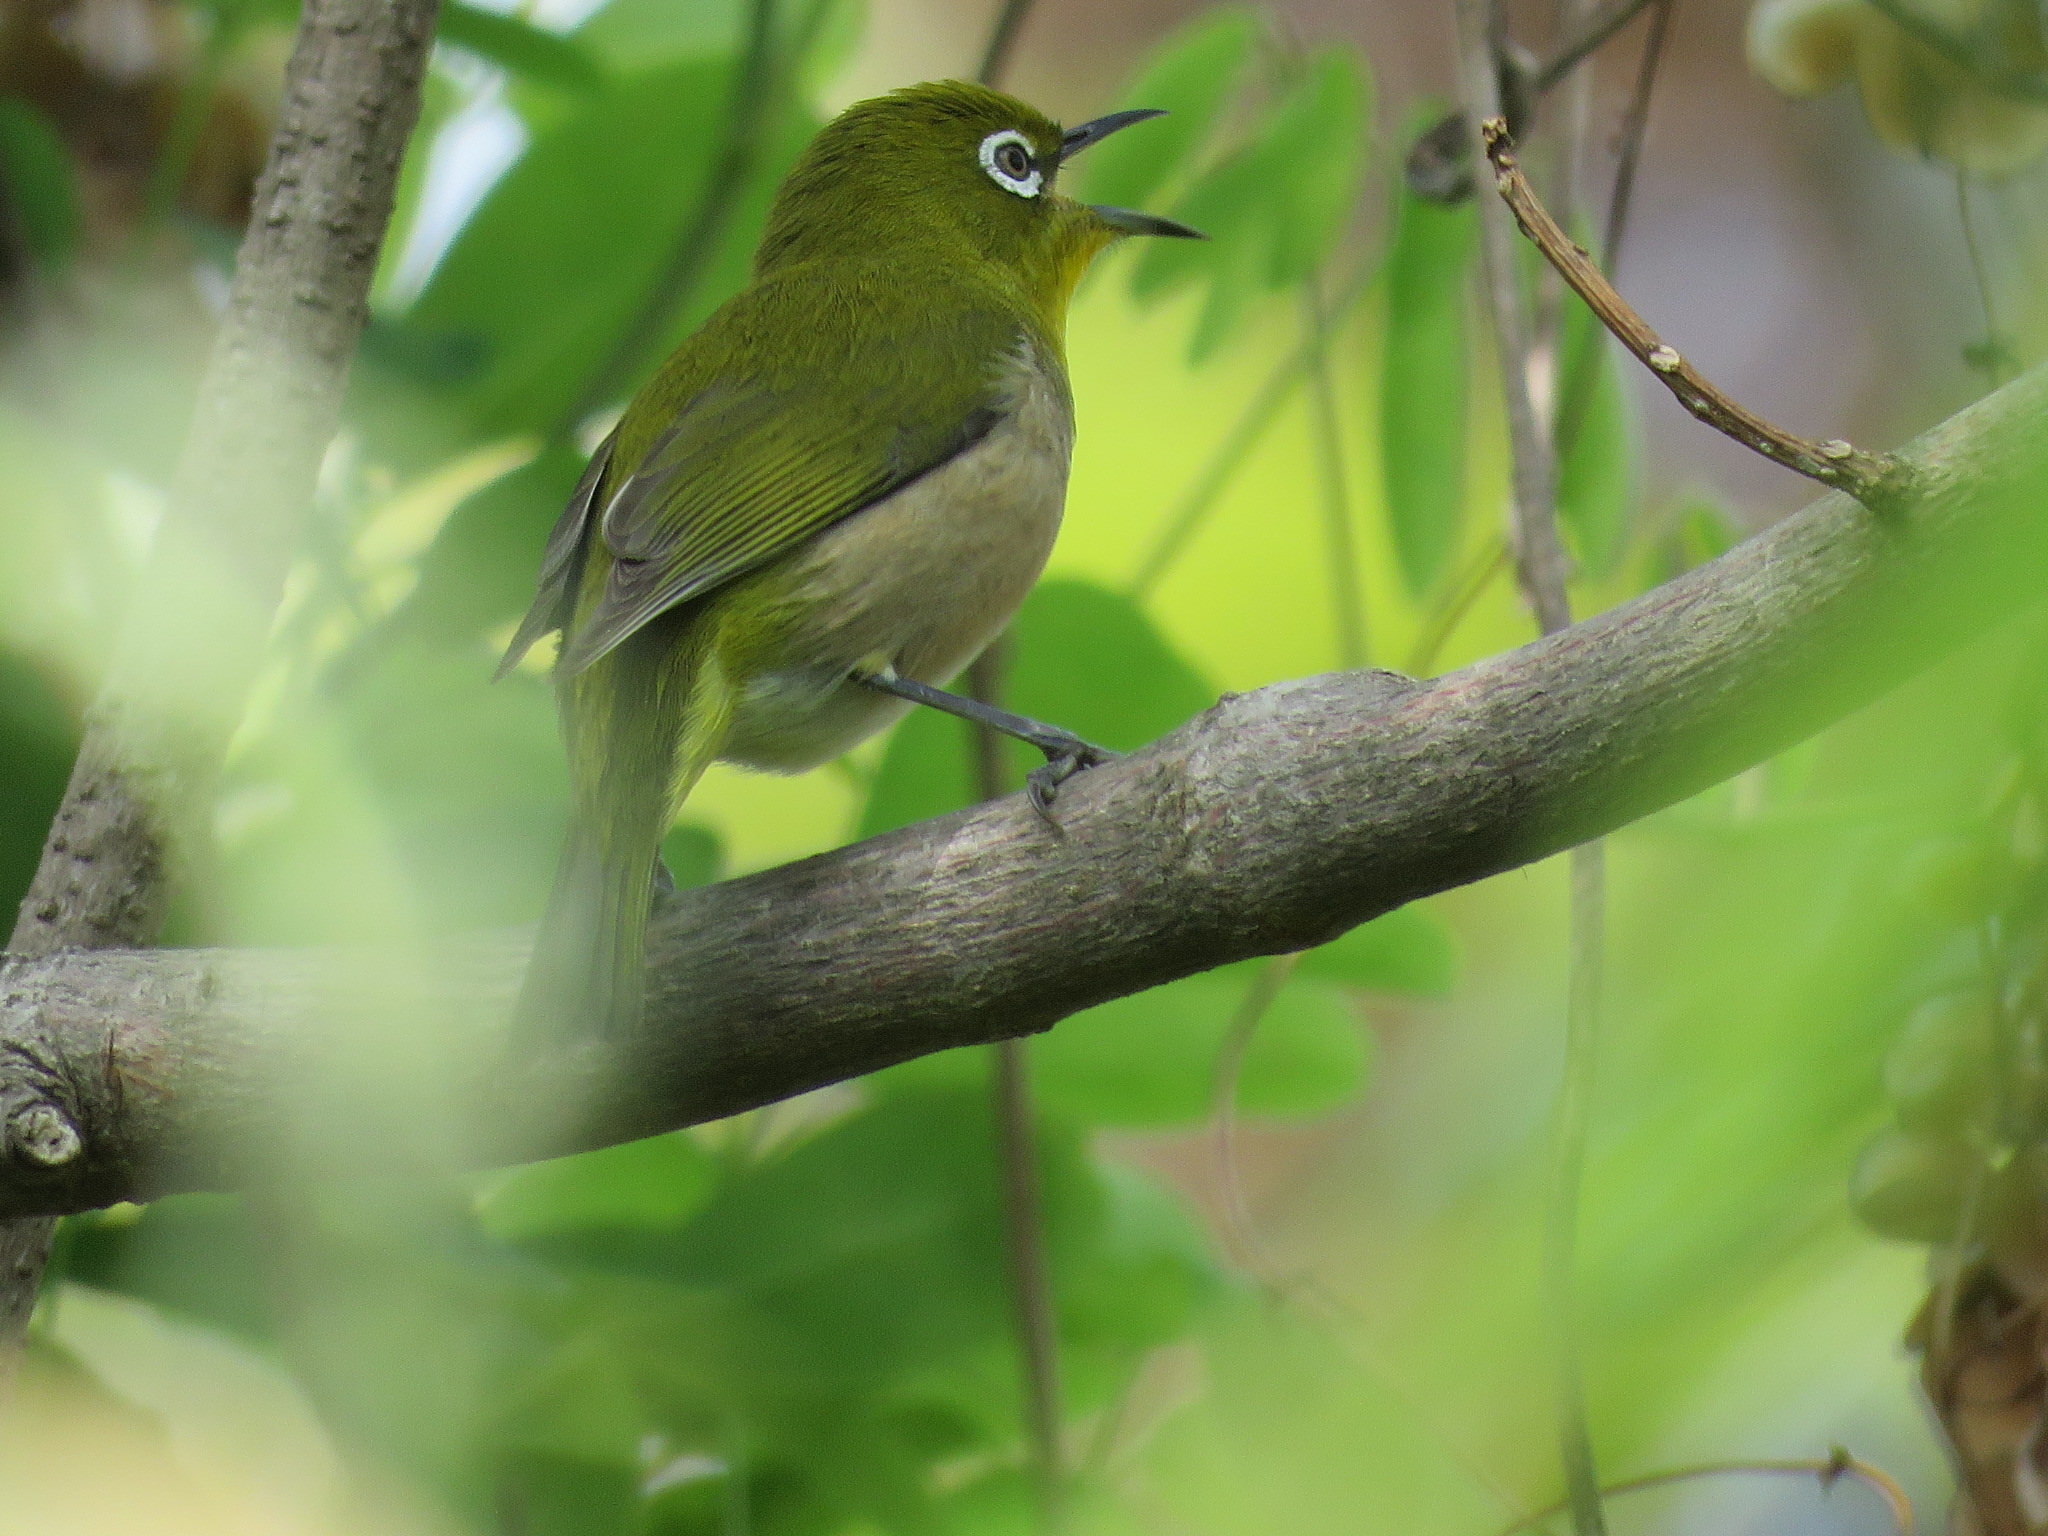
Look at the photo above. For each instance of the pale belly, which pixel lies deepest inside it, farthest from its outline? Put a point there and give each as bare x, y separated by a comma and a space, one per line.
922, 581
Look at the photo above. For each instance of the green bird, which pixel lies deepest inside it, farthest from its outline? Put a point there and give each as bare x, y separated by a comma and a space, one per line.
832, 497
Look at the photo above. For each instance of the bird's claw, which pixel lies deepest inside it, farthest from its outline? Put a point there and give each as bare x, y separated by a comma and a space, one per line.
1062, 761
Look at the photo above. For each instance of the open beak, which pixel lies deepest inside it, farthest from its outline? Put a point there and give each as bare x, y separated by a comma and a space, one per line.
1126, 221
1129, 221
1077, 139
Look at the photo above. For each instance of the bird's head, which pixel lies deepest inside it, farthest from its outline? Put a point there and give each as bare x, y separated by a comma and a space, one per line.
952, 172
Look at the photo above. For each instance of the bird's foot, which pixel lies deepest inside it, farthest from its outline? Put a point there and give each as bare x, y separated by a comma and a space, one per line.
1065, 755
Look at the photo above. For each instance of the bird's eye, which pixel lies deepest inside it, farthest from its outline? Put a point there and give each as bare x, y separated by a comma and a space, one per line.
1006, 156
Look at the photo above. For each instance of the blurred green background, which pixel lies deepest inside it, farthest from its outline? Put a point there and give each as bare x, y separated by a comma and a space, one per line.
1292, 1215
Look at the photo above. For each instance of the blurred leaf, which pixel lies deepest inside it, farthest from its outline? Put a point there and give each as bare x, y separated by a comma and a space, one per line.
1152, 1058
196, 1255
653, 1183
541, 1495
926, 771
478, 575
1190, 77
833, 1235
652, 34
232, 1413
694, 855
1596, 481
1086, 658
520, 47
1408, 950
1273, 208
36, 172
38, 739
1423, 381
563, 252
1316, 148
1089, 659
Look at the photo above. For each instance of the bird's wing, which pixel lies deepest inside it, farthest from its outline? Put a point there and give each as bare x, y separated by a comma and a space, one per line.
561, 568
763, 455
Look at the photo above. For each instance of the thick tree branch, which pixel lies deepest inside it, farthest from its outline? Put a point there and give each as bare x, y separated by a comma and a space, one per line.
269, 403
1272, 822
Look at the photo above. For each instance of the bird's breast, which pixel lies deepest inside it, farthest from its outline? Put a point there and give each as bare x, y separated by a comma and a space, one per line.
923, 579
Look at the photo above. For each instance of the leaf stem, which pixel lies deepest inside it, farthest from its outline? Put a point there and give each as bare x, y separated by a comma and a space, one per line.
1229, 456
1002, 42
1838, 1464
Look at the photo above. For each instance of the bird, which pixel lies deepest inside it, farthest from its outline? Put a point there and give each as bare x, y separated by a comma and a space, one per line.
832, 497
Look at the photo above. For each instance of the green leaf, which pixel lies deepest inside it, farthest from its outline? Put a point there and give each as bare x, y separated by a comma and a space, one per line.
694, 855
478, 574
517, 45
197, 1255
1191, 78
38, 741
655, 1183
1274, 208
1315, 149
561, 257
1596, 481
1086, 658
634, 35
1409, 950
40, 182
1153, 1058
1424, 376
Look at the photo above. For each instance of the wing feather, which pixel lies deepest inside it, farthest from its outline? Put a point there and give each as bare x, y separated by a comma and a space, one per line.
761, 458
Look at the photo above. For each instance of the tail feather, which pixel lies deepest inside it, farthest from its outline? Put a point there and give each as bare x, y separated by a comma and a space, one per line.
642, 725
588, 971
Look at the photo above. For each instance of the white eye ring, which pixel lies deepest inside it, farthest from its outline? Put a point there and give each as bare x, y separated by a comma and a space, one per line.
1027, 185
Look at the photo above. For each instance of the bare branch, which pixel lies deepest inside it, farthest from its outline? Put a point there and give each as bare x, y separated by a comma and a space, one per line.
1270, 823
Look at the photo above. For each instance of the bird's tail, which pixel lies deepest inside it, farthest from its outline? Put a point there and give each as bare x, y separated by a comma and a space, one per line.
643, 724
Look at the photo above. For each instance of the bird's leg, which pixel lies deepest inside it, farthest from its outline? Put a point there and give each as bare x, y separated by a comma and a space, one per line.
1065, 753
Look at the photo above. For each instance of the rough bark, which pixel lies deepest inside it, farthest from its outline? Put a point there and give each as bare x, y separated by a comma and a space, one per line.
268, 406
1272, 822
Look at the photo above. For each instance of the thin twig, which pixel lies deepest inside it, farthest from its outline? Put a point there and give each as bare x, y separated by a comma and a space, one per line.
1459, 598
1634, 129
1035, 1316
1542, 568
1030, 1277
755, 94
1002, 40
1033, 1312
1591, 37
1588, 970
1874, 479
1576, 397
1224, 463
1207, 488
1539, 557
1833, 1469
1347, 588
1993, 353
1239, 1234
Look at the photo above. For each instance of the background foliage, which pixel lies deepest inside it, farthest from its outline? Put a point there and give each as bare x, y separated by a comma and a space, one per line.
1292, 1240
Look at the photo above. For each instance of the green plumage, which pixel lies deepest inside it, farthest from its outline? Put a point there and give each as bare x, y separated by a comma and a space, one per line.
855, 464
